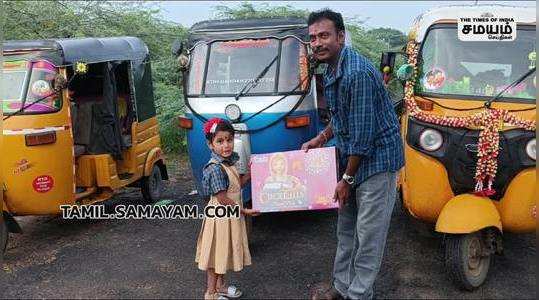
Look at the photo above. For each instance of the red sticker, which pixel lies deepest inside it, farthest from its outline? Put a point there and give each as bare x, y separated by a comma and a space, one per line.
43, 183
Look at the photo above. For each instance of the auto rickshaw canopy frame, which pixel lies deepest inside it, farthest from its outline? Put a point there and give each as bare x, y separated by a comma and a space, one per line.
66, 52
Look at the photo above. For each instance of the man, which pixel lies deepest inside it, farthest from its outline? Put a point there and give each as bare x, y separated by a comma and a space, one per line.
370, 154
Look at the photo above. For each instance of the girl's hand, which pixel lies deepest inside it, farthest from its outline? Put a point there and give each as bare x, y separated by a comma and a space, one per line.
226, 201
250, 212
223, 199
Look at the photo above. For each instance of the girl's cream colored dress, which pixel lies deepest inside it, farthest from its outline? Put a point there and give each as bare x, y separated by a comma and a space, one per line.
222, 242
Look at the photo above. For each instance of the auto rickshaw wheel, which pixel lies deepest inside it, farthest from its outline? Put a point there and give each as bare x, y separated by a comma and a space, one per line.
152, 186
3, 237
467, 260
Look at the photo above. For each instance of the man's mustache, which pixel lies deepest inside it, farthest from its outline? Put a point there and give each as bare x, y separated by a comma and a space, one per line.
319, 49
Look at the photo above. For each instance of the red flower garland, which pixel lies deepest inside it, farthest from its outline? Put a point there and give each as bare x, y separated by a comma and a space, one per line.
491, 121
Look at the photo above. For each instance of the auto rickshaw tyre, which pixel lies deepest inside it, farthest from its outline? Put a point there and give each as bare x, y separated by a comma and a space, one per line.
152, 186
466, 259
4, 234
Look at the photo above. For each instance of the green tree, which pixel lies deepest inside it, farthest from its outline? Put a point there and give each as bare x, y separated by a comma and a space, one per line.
249, 10
394, 38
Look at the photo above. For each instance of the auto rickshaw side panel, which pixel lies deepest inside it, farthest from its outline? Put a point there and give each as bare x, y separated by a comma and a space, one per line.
102, 170
40, 178
517, 207
426, 188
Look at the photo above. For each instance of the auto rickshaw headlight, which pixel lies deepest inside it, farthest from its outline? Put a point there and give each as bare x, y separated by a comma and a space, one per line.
530, 149
431, 140
233, 112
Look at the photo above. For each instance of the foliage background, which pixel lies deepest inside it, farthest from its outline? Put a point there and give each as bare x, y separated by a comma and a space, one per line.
75, 19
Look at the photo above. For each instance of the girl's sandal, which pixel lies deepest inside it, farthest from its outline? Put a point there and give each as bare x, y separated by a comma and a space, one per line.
208, 296
232, 292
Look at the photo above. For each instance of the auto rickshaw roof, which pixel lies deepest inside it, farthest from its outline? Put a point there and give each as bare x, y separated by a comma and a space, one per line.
88, 50
521, 15
247, 28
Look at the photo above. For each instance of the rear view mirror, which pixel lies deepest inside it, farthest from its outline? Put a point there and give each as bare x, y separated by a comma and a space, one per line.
387, 62
183, 61
60, 82
405, 72
177, 47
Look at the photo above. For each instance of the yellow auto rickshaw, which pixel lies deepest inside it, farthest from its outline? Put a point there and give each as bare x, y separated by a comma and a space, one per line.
79, 123
468, 125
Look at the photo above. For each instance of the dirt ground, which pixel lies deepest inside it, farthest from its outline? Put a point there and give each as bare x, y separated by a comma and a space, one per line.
292, 257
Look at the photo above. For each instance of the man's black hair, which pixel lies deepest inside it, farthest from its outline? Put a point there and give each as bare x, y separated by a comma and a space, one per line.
224, 125
327, 13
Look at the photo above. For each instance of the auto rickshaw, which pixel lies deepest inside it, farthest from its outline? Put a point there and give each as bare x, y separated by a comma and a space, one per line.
468, 125
257, 74
79, 124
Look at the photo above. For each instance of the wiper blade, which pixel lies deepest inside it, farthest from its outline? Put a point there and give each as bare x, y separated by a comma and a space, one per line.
24, 107
251, 84
515, 83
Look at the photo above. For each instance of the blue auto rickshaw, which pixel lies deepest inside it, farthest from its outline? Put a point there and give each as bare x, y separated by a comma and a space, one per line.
257, 74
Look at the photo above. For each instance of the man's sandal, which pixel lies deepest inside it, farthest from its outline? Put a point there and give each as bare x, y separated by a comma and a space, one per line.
232, 292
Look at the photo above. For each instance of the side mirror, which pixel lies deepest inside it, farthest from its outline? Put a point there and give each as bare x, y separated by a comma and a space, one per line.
183, 61
59, 83
387, 63
405, 72
177, 47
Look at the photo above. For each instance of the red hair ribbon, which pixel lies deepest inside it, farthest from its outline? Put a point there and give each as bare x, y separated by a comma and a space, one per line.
211, 124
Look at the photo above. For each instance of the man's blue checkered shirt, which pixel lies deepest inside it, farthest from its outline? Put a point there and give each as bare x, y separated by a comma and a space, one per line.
362, 116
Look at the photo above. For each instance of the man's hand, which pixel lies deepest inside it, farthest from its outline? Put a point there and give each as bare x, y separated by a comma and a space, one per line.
250, 212
315, 142
342, 192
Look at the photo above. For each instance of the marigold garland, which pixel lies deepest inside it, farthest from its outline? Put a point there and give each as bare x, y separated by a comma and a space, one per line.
490, 120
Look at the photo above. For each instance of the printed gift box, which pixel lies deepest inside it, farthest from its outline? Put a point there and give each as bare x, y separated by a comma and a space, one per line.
294, 180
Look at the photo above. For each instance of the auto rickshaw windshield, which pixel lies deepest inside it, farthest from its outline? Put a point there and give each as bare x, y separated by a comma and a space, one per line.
26, 82
451, 67
233, 64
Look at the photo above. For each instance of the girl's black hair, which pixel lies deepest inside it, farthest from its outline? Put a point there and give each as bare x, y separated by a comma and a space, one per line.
224, 125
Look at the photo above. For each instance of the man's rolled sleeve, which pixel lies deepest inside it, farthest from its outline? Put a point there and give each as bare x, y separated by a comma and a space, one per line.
214, 180
361, 118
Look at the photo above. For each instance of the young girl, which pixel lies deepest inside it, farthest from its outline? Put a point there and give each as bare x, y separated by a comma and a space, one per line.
222, 242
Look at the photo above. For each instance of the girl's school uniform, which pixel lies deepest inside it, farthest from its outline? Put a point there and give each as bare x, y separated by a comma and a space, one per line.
222, 242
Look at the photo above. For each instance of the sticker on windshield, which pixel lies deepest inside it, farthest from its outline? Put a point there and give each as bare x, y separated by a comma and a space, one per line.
531, 58
486, 27
434, 79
